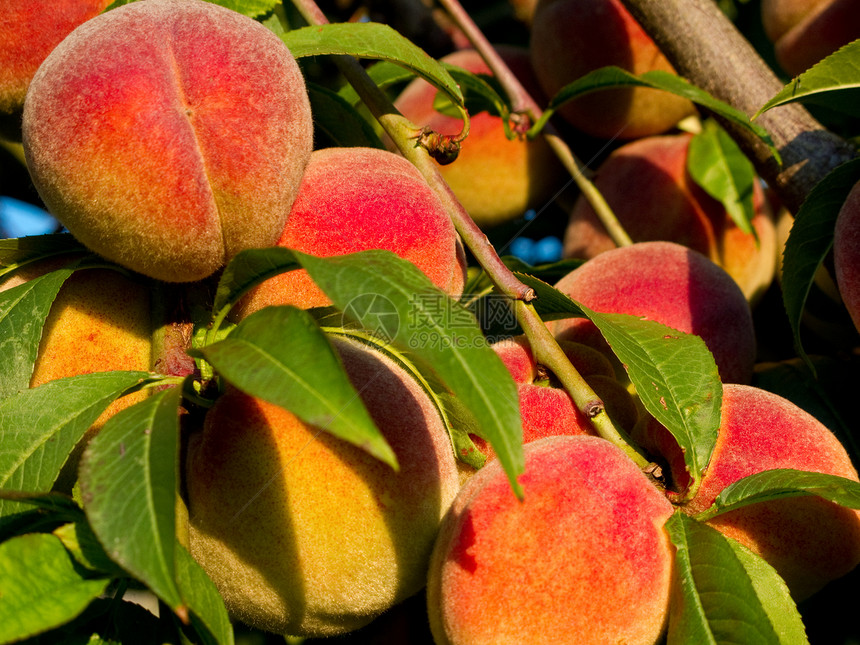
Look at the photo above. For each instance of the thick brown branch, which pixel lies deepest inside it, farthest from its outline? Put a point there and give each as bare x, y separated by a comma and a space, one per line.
707, 49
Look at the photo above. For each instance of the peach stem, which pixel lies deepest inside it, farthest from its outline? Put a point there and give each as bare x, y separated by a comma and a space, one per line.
546, 348
523, 103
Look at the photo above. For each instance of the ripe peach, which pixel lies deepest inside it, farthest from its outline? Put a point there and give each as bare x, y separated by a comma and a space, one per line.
495, 178
29, 30
169, 135
546, 409
673, 285
846, 253
647, 185
582, 558
805, 31
570, 38
305, 534
808, 540
354, 199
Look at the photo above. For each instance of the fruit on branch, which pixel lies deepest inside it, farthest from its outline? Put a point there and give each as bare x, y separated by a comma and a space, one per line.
305, 534
673, 285
355, 199
846, 253
570, 38
169, 135
648, 187
100, 321
582, 558
29, 30
808, 540
546, 409
805, 31
495, 178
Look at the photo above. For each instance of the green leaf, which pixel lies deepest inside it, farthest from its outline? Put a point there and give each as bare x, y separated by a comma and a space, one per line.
479, 93
40, 587
250, 8
280, 355
676, 379
208, 613
392, 298
718, 165
23, 310
84, 547
550, 303
338, 121
129, 478
35, 445
834, 81
384, 74
811, 240
780, 483
615, 77
725, 594
245, 271
373, 41
15, 252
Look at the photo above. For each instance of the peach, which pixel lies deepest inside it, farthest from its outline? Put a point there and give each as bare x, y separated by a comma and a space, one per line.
570, 38
100, 321
583, 558
305, 534
808, 540
673, 285
354, 199
648, 187
29, 30
495, 178
169, 135
846, 253
805, 31
546, 409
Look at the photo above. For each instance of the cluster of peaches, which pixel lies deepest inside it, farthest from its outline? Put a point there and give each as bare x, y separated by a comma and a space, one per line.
170, 135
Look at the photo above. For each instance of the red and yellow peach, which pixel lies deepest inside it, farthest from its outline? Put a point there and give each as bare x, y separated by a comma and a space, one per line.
169, 135
355, 199
582, 558
306, 534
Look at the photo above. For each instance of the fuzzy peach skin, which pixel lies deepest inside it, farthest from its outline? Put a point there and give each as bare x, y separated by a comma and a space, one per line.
805, 31
582, 559
673, 285
29, 30
570, 38
495, 178
305, 534
647, 186
846, 254
169, 135
355, 199
809, 541
546, 409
